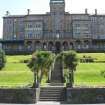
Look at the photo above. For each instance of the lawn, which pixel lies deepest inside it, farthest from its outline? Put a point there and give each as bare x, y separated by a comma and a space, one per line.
90, 74
96, 56
17, 74
17, 58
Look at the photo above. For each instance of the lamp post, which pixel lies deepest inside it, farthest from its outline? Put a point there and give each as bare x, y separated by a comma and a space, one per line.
57, 36
14, 26
57, 45
45, 47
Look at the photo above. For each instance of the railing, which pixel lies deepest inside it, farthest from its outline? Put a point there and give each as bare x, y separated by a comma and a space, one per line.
91, 50
29, 51
17, 51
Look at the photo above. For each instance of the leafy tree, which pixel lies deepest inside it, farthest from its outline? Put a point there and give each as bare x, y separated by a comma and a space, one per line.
2, 59
41, 64
70, 61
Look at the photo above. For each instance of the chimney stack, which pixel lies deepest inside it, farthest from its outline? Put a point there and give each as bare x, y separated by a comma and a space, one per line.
28, 11
7, 13
95, 11
86, 11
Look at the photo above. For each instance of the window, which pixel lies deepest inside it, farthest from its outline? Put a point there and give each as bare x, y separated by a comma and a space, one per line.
77, 25
30, 35
29, 26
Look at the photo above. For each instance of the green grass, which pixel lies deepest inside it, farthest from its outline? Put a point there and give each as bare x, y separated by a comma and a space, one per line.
96, 56
17, 74
90, 74
17, 58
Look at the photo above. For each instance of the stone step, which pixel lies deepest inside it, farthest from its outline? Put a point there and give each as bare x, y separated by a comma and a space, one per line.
54, 87
57, 84
54, 93
57, 81
50, 89
51, 96
50, 92
52, 100
47, 97
56, 78
56, 75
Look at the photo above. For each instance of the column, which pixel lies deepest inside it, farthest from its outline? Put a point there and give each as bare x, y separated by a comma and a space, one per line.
82, 44
33, 45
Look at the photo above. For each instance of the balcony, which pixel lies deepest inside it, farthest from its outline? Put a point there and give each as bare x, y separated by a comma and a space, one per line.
17, 51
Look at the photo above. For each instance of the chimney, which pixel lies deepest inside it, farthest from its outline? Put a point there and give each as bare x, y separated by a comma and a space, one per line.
86, 11
7, 13
28, 11
95, 11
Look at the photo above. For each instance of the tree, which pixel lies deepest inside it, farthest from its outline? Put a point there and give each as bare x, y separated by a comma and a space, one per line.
2, 59
40, 64
70, 61
34, 68
50, 66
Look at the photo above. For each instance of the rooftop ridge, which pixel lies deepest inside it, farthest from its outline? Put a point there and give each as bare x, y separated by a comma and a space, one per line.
57, 0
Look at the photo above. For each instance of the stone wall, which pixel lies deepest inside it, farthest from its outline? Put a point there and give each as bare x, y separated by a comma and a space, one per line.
27, 96
74, 95
85, 95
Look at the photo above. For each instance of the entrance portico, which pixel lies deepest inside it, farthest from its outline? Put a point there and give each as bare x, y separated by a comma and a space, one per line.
58, 47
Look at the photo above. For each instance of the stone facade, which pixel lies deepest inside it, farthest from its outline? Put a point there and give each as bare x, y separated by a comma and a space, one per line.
73, 96
85, 95
19, 96
55, 30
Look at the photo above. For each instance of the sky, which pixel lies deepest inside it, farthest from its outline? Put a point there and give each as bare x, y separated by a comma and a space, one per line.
18, 7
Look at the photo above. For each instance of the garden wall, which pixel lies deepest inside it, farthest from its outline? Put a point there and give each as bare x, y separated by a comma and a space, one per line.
85, 95
74, 95
27, 96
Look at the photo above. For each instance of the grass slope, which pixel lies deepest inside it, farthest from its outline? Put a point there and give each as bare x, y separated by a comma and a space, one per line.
16, 74
90, 74
96, 56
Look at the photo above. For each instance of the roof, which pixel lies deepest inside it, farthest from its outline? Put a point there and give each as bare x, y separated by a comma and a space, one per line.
11, 41
14, 16
22, 16
57, 1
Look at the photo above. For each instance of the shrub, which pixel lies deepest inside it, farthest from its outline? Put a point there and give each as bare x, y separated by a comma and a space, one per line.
86, 59
2, 59
103, 74
25, 61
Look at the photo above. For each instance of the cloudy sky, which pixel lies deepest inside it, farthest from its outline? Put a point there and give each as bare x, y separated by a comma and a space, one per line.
42, 6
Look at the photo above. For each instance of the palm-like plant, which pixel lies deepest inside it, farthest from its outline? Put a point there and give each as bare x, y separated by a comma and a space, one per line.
50, 66
33, 65
70, 61
2, 59
41, 63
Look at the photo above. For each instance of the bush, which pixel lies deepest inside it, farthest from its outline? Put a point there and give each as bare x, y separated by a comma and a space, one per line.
2, 59
86, 59
25, 61
103, 74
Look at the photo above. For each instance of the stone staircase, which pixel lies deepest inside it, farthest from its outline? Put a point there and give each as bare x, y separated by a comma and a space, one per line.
52, 93
57, 75
56, 90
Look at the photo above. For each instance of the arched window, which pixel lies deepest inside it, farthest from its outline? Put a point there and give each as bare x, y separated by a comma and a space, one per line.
37, 45
78, 44
65, 46
50, 46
